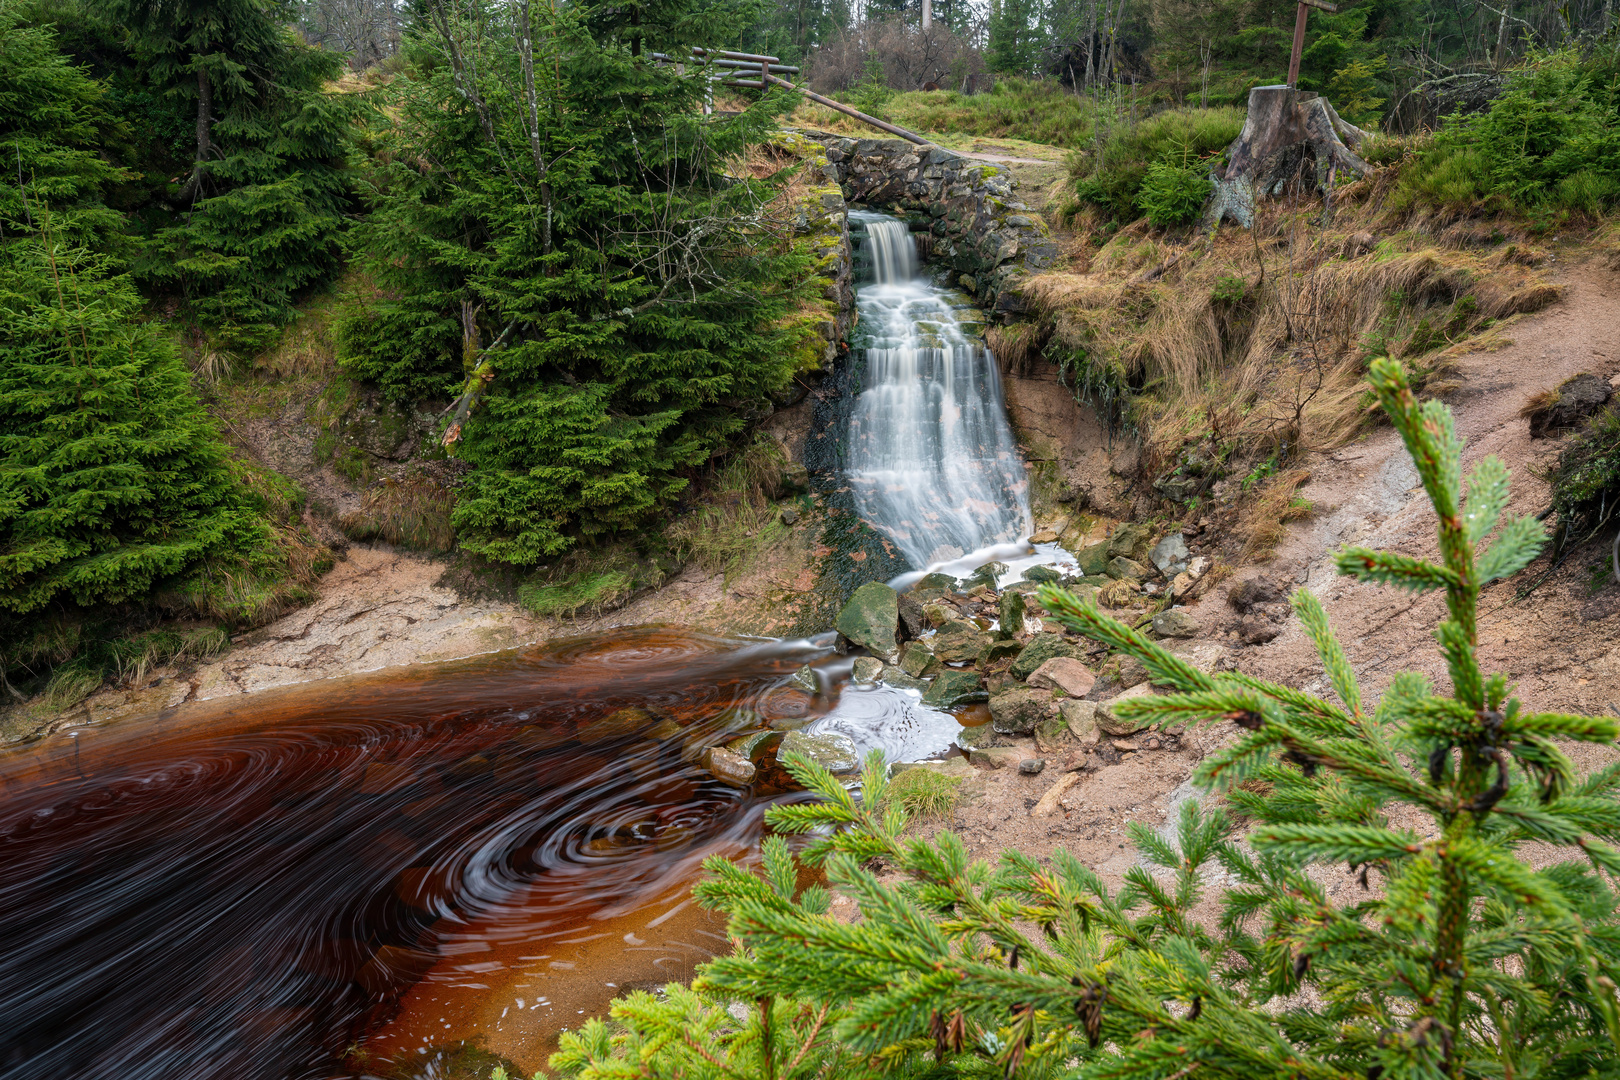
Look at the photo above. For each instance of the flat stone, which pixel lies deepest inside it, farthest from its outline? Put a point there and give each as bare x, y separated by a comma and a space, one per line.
958, 641
833, 752
728, 767
996, 757
1064, 673
897, 678
1032, 766
1170, 555
952, 688
1176, 623
1111, 723
1016, 710
998, 650
871, 619
1041, 648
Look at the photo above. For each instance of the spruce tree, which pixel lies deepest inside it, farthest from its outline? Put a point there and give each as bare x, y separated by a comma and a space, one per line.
554, 233
112, 478
1458, 960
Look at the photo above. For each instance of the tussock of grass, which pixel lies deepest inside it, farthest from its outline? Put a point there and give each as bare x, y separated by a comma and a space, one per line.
1264, 517
412, 511
924, 792
594, 592
736, 517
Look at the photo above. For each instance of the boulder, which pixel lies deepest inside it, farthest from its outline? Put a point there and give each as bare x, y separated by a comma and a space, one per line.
1011, 613
913, 623
1123, 569
958, 641
1063, 673
1170, 555
833, 752
952, 688
1081, 719
1093, 560
729, 767
1041, 648
1175, 623
1130, 541
916, 658
930, 582
1016, 710
867, 669
1042, 574
871, 619
1111, 723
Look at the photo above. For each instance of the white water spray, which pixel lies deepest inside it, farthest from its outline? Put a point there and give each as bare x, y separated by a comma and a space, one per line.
932, 462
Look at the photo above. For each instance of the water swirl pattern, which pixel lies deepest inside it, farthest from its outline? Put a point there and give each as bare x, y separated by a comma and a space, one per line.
931, 458
350, 876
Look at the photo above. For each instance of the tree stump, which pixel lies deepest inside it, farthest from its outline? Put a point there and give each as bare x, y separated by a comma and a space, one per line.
1286, 133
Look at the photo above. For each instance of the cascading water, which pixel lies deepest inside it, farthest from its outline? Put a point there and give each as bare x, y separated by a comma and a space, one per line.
931, 459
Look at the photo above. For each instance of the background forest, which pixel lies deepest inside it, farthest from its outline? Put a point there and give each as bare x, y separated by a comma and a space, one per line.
505, 218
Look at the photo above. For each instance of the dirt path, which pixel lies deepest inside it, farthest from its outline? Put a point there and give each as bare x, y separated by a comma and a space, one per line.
1561, 645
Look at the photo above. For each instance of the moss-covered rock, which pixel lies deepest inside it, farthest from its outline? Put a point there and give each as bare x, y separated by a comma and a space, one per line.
871, 619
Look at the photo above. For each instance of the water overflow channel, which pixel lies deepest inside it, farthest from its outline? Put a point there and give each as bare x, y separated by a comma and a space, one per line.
359, 877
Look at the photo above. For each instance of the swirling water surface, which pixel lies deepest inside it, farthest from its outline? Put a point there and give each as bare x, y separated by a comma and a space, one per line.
344, 877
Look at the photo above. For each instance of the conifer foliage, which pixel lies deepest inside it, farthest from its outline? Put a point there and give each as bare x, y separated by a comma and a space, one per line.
555, 233
1457, 960
112, 478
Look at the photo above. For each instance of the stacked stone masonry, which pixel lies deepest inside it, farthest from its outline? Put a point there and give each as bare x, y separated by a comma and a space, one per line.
985, 234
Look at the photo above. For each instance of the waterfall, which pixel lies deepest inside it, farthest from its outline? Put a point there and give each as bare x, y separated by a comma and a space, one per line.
931, 459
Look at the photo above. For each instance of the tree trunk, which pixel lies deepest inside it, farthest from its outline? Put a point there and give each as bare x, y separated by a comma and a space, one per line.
1286, 132
205, 123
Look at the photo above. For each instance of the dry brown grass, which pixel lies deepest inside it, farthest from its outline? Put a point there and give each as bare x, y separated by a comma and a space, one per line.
411, 511
1263, 519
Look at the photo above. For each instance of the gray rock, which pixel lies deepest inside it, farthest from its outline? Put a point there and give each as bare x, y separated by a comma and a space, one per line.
912, 619
790, 516
1041, 648
1175, 623
958, 641
1132, 672
1031, 766
833, 752
805, 679
986, 575
1122, 569
1011, 614
998, 650
916, 659
871, 619
1170, 555
1016, 710
1130, 541
1081, 718
952, 688
897, 678
867, 669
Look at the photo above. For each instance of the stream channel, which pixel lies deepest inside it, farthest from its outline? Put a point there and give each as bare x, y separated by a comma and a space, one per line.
363, 876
